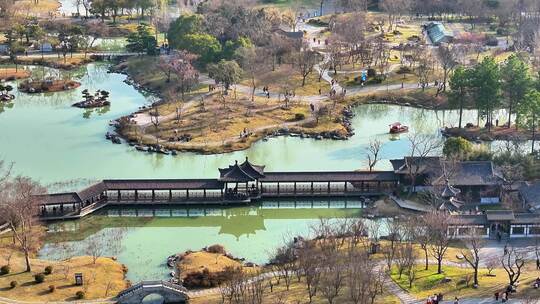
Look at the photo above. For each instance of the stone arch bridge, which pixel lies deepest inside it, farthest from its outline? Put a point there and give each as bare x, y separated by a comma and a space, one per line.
171, 293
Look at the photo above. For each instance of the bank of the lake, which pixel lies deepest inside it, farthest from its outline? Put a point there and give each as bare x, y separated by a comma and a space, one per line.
150, 234
53, 142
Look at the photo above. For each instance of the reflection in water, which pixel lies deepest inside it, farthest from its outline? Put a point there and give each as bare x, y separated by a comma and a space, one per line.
153, 233
153, 298
4, 106
97, 111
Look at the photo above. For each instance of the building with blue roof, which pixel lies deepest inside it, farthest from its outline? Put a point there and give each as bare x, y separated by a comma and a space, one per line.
438, 33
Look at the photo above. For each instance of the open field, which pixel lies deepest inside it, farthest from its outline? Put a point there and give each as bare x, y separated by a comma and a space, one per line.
297, 293
12, 73
103, 279
428, 282
40, 8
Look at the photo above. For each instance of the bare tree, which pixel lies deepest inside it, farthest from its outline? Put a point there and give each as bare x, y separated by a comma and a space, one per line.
284, 263
20, 199
373, 150
425, 68
448, 60
394, 229
254, 64
94, 247
305, 60
405, 258
363, 278
474, 243
332, 277
421, 146
93, 30
491, 264
421, 236
512, 262
437, 224
154, 119
309, 260
394, 9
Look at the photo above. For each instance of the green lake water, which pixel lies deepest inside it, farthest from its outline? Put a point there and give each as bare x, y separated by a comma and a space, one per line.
64, 147
143, 237
53, 142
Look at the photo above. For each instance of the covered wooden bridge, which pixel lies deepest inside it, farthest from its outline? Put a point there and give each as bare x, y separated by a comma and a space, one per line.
239, 183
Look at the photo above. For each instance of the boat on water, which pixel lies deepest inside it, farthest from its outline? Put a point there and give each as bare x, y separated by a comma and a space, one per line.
397, 128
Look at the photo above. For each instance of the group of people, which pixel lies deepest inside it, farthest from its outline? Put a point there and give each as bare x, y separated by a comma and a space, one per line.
503, 296
265, 91
435, 299
245, 133
536, 284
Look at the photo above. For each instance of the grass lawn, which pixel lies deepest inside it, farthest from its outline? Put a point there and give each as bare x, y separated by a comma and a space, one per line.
214, 262
146, 72
428, 282
41, 8
297, 293
102, 280
406, 31
12, 73
285, 77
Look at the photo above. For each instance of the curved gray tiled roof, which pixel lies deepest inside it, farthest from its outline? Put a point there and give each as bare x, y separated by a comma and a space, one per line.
245, 172
465, 173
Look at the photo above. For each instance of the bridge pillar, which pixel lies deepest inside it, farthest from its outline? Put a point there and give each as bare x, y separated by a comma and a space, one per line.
170, 195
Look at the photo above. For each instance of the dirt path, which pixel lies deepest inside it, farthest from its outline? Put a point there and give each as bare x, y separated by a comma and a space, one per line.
144, 119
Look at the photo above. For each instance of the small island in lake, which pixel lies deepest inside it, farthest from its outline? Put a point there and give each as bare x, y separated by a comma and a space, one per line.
47, 86
207, 268
5, 96
99, 99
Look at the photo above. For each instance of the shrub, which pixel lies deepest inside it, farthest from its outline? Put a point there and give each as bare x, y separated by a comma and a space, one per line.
13, 284
40, 278
52, 288
205, 278
217, 249
80, 294
375, 80
299, 116
5, 269
404, 70
502, 31
491, 40
457, 147
48, 270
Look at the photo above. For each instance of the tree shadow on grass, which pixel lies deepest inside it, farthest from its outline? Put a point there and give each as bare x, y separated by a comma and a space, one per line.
66, 286
30, 283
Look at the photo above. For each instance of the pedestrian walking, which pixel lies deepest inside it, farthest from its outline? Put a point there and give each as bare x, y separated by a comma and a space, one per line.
496, 296
456, 300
